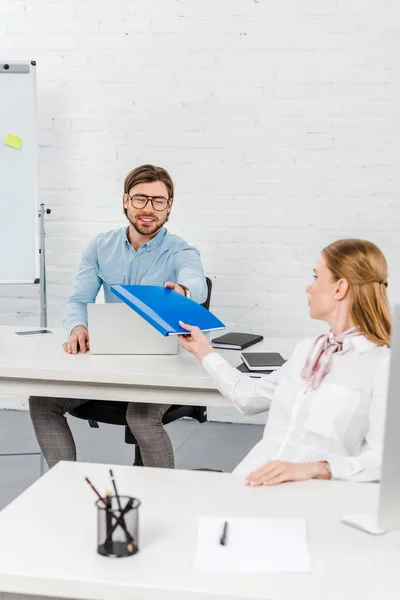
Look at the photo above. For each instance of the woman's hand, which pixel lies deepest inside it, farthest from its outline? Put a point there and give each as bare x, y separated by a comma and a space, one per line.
196, 342
278, 471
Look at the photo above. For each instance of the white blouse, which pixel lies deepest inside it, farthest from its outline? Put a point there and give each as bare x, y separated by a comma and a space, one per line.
342, 421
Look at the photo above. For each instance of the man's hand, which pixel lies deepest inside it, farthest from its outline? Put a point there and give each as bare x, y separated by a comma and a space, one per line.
176, 287
78, 340
278, 471
196, 342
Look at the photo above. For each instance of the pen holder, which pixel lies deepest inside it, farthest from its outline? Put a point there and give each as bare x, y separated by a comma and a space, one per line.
118, 530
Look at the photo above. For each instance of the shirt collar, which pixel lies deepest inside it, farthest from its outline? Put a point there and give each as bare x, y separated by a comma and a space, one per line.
152, 244
360, 343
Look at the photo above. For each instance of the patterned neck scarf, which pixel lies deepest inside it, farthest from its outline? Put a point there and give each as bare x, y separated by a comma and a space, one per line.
319, 360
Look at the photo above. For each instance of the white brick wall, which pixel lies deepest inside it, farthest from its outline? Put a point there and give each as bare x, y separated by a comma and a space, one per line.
279, 122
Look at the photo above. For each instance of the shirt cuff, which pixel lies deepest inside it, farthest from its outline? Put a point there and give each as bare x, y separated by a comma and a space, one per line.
196, 287
70, 326
338, 468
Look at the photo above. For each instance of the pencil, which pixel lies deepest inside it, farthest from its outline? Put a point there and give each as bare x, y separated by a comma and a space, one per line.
106, 503
95, 491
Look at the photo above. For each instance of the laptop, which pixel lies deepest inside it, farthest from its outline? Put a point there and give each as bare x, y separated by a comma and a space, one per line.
114, 328
388, 512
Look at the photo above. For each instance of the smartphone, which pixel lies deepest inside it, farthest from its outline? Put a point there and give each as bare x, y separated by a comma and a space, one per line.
35, 332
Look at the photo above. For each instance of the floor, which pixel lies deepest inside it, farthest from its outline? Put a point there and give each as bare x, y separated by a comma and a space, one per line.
211, 445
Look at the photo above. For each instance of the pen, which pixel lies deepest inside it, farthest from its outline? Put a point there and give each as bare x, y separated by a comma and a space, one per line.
224, 537
115, 489
108, 544
129, 538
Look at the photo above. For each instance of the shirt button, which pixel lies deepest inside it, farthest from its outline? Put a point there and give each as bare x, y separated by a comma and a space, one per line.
108, 280
136, 258
132, 282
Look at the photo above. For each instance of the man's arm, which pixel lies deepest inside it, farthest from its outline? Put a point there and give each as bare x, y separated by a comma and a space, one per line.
84, 289
189, 272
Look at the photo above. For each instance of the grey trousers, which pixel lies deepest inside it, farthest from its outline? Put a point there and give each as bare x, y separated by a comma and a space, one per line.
57, 443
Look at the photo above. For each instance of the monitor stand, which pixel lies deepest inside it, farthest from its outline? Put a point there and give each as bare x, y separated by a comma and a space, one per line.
364, 522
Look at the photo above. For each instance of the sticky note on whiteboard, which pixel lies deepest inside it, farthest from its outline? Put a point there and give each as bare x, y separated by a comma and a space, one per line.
13, 141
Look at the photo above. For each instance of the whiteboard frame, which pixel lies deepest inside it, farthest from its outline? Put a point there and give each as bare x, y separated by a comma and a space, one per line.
32, 72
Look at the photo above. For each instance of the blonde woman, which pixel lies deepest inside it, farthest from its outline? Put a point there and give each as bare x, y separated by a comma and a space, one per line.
327, 403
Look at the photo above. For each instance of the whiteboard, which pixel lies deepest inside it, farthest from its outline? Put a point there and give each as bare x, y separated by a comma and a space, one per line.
19, 222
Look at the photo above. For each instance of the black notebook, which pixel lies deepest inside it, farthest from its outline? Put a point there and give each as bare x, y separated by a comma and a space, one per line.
262, 361
243, 369
236, 341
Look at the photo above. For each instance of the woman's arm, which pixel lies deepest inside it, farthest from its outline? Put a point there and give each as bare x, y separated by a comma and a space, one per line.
249, 395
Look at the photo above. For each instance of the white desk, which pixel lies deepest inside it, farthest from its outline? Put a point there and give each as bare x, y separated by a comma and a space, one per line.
48, 539
38, 366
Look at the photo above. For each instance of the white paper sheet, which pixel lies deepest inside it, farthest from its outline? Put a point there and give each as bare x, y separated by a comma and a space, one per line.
254, 545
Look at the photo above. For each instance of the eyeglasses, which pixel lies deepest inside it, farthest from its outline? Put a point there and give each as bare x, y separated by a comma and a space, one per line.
141, 201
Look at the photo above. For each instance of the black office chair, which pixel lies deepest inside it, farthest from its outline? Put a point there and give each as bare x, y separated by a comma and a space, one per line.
114, 413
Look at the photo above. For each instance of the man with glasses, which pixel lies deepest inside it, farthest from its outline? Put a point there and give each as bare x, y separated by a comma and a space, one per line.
144, 253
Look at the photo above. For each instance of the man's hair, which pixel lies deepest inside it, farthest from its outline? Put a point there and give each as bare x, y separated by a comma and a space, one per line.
148, 174
364, 267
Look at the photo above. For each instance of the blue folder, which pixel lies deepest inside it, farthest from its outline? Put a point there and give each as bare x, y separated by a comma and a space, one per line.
163, 308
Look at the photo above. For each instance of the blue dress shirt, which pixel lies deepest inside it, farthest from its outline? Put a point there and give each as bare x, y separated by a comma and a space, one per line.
110, 259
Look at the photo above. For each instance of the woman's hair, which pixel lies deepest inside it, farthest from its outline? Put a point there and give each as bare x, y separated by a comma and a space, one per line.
364, 267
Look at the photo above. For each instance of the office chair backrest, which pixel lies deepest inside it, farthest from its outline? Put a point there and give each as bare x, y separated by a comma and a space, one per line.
206, 304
